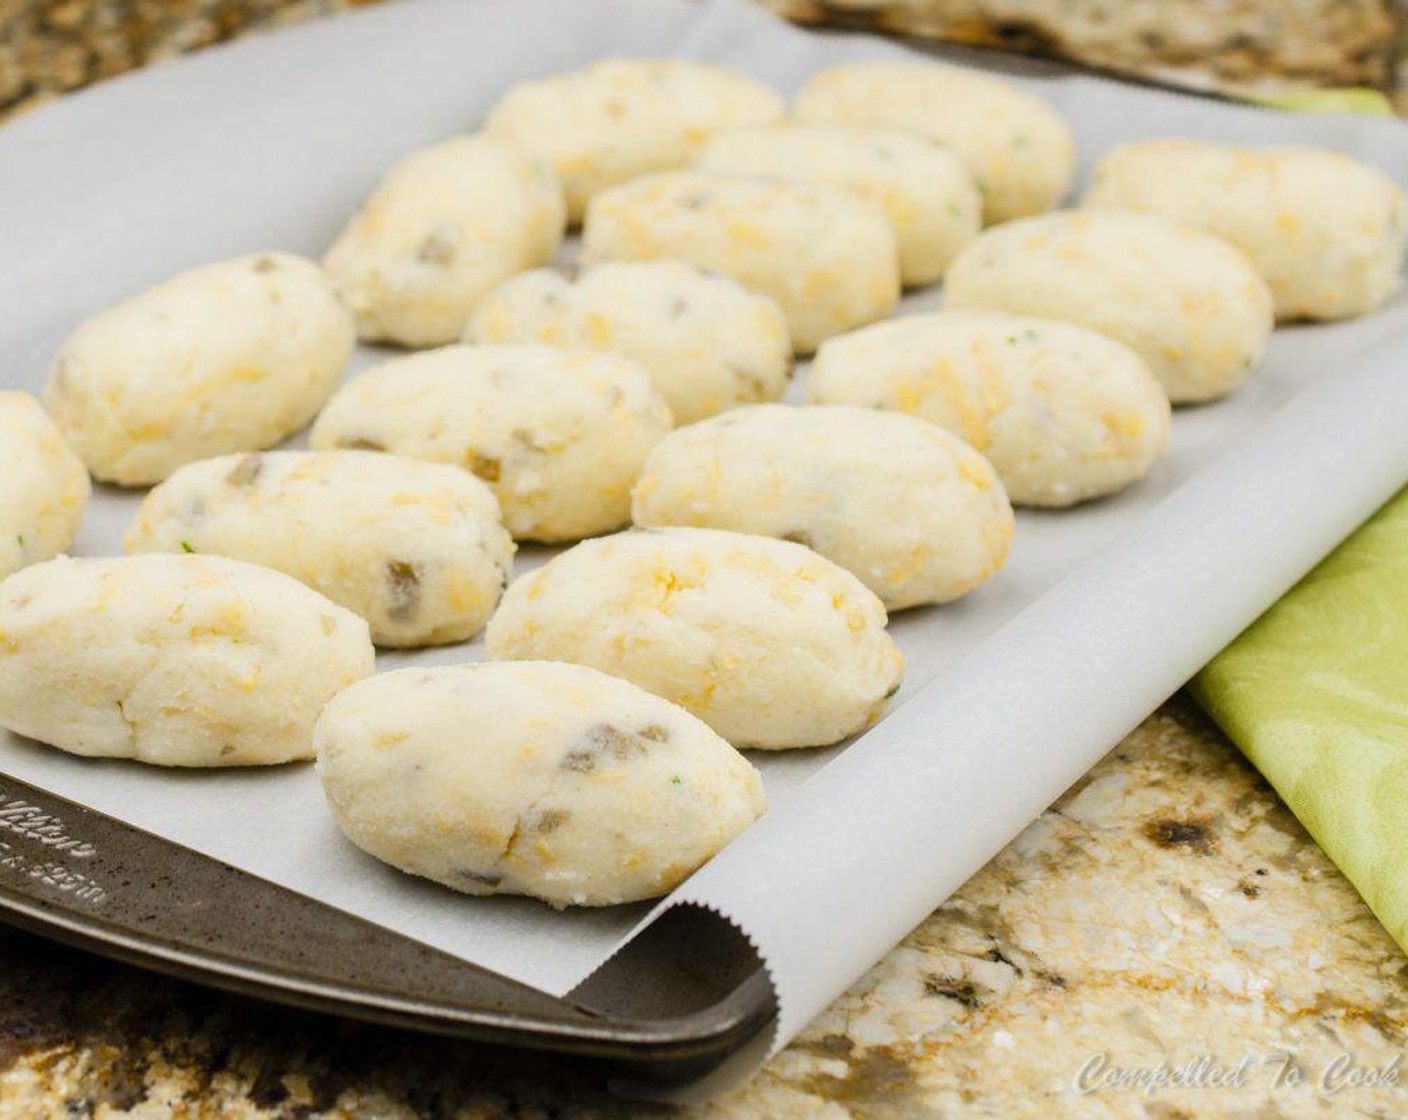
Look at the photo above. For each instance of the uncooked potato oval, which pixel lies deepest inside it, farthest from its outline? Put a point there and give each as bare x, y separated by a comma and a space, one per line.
445, 226
1190, 304
172, 660
1018, 146
912, 511
531, 778
621, 118
233, 356
768, 643
415, 548
43, 485
927, 191
558, 435
1063, 413
825, 255
709, 343
1325, 231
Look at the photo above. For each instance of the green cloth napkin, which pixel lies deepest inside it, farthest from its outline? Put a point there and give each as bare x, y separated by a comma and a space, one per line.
1315, 693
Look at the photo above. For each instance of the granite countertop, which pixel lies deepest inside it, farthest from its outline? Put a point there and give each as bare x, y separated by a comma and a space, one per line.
1168, 913
1256, 48
1168, 909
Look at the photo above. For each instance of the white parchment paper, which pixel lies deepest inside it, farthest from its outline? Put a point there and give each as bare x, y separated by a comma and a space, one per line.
1010, 694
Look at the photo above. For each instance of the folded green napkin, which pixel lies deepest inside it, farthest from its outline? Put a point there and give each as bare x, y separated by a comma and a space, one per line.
1315, 693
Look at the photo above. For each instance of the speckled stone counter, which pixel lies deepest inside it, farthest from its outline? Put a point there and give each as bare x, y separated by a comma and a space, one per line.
1239, 47
1166, 921
48, 47
1168, 913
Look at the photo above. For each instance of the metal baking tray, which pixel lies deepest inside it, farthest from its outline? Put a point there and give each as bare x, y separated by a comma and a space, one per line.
682, 998
668, 1010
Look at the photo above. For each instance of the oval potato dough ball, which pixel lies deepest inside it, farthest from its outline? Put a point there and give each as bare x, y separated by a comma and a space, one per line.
444, 226
1018, 146
912, 511
1191, 305
825, 255
532, 778
768, 643
619, 119
559, 435
1325, 231
415, 548
1064, 414
43, 485
927, 191
233, 356
172, 660
708, 342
